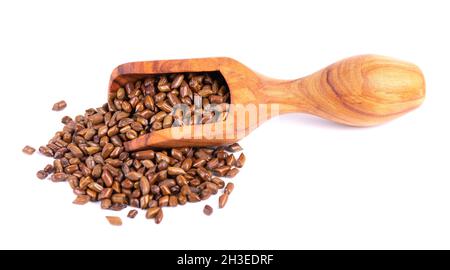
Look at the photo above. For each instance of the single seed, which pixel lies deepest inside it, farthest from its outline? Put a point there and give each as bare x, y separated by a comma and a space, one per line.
147, 154
207, 210
28, 150
232, 173
152, 212
58, 177
159, 216
173, 201
60, 105
114, 220
229, 188
223, 200
175, 171
240, 161
132, 213
41, 174
49, 168
105, 204
235, 147
81, 199
46, 151
134, 176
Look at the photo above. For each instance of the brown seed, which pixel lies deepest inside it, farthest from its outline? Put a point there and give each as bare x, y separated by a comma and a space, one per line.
58, 177
46, 151
60, 105
212, 164
240, 161
49, 168
132, 213
81, 199
149, 103
66, 119
95, 187
96, 118
230, 160
204, 174
153, 203
219, 182
152, 212
114, 220
134, 176
147, 163
173, 99
222, 171
119, 198
229, 188
85, 181
235, 147
205, 92
147, 154
193, 197
175, 171
144, 185
143, 201
177, 81
118, 206
205, 194
120, 94
223, 200
105, 193
182, 199
167, 121
232, 173
199, 163
41, 174
187, 164
207, 210
155, 189
159, 216
112, 131
28, 150
92, 194
173, 201
105, 203
107, 178
163, 201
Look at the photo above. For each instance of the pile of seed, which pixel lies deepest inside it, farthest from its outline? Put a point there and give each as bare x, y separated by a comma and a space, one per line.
89, 153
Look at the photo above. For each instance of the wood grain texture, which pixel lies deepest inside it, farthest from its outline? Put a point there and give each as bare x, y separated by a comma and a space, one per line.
362, 91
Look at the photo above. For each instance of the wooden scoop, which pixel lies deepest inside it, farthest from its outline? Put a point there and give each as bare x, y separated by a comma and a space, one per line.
359, 91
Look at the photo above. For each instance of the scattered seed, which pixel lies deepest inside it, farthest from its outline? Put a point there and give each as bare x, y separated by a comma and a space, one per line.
60, 105
240, 161
223, 200
28, 150
82, 199
159, 216
41, 174
229, 188
207, 210
114, 220
132, 213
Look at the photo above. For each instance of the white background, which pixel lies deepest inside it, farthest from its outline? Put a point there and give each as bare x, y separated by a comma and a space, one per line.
307, 184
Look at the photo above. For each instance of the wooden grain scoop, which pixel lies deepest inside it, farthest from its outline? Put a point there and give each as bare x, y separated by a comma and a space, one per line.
358, 91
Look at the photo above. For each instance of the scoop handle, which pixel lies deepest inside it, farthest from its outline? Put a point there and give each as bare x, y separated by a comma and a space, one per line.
359, 91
